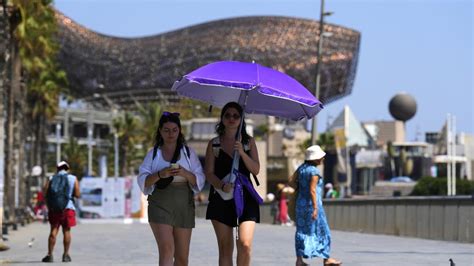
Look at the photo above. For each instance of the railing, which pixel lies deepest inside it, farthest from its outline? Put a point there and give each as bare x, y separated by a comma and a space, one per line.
439, 218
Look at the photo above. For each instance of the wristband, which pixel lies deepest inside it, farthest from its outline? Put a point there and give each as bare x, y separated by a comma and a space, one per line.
222, 187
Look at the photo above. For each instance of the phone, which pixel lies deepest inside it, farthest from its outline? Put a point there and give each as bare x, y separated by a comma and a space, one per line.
174, 166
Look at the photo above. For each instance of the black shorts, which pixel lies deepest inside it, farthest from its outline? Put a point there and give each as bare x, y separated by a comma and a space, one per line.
224, 210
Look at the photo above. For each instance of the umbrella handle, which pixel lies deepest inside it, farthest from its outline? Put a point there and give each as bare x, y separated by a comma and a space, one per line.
244, 94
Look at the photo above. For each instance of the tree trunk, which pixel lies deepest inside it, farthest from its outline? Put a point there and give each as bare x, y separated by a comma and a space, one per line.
20, 138
14, 88
123, 155
4, 81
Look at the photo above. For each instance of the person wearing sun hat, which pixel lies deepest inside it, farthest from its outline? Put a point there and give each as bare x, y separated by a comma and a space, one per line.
312, 237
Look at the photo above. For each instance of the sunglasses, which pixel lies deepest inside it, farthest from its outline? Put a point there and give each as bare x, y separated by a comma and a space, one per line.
234, 116
166, 113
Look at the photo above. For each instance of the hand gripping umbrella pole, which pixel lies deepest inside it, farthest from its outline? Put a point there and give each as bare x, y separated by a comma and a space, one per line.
236, 158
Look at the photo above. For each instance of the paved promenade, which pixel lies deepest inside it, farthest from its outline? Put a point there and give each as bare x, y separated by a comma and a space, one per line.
114, 243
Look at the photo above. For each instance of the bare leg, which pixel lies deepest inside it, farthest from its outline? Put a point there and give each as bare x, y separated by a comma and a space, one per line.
182, 239
52, 239
225, 242
164, 239
244, 244
66, 239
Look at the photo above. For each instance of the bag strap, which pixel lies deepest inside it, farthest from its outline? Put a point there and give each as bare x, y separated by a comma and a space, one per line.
216, 146
187, 153
155, 150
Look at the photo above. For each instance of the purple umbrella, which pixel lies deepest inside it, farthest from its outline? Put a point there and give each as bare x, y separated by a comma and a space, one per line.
258, 89
268, 91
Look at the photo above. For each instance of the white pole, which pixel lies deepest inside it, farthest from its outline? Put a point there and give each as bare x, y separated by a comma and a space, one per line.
453, 153
448, 152
348, 159
58, 143
89, 143
116, 153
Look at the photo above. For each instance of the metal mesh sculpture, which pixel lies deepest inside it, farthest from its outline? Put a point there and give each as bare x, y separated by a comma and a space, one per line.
143, 69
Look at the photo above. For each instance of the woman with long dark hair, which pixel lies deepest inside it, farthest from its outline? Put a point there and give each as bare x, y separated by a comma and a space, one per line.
219, 157
169, 175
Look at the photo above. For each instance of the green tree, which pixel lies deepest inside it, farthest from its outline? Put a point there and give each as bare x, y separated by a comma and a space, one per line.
126, 126
325, 140
189, 108
150, 115
35, 37
75, 155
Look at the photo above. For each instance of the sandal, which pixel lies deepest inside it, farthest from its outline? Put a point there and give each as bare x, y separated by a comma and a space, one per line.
332, 262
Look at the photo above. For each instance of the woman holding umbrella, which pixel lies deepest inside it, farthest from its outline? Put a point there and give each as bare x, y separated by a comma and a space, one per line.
169, 175
218, 165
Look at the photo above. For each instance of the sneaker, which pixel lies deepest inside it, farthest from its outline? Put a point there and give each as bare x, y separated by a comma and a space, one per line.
48, 258
66, 258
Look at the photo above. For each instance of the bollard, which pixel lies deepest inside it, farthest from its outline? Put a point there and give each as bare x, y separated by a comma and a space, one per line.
4, 229
15, 226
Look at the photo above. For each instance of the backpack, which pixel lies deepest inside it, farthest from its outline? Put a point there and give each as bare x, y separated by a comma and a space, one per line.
57, 196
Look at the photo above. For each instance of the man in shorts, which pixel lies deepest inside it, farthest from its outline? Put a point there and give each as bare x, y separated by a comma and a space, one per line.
65, 217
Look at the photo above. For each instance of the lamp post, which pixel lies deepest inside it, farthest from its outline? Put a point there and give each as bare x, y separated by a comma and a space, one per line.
90, 131
314, 126
58, 142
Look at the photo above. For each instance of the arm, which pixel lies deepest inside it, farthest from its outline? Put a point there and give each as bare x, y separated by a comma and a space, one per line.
45, 189
145, 176
77, 192
251, 162
209, 171
313, 192
197, 171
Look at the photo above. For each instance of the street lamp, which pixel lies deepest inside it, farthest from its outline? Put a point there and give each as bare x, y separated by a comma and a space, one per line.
89, 142
314, 127
116, 153
58, 142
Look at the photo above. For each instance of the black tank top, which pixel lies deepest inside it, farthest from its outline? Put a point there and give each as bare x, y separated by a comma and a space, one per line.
222, 166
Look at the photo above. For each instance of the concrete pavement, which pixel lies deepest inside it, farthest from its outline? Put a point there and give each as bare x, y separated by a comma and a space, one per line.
111, 242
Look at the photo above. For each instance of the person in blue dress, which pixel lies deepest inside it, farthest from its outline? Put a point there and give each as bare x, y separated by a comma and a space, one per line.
312, 237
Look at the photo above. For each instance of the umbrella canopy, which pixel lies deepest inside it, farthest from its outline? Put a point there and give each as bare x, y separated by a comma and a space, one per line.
268, 91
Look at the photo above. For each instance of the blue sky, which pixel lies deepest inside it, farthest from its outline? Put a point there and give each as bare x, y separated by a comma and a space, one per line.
422, 47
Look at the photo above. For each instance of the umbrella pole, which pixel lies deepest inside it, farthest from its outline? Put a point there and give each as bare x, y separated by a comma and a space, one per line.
235, 163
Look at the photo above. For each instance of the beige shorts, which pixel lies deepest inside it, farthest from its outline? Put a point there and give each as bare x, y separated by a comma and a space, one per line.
173, 205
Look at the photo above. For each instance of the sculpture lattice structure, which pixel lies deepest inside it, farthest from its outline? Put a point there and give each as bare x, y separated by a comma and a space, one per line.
143, 69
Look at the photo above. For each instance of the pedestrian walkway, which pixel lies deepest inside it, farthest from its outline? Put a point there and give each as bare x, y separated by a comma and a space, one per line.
132, 243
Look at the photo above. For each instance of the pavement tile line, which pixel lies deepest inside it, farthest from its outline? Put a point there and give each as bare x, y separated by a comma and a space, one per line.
130, 242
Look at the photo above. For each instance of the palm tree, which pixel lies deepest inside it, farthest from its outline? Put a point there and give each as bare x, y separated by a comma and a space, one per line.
34, 36
75, 155
150, 116
126, 126
325, 140
33, 49
189, 108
